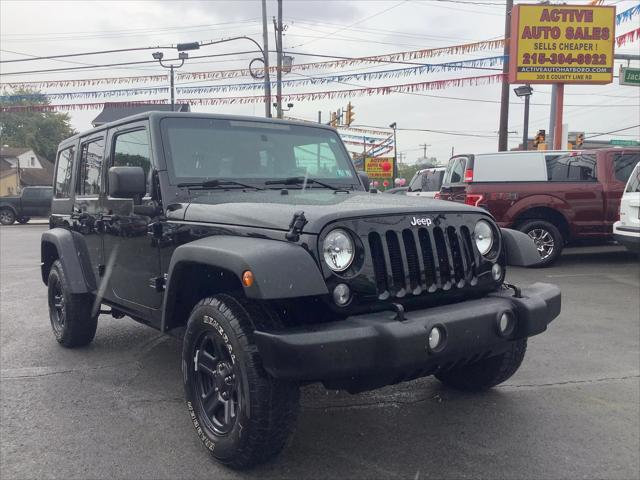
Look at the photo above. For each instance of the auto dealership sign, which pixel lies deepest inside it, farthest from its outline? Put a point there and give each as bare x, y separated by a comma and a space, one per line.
379, 167
562, 44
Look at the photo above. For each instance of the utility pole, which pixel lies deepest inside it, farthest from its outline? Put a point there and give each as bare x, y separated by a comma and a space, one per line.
278, 32
424, 151
504, 98
265, 57
319, 116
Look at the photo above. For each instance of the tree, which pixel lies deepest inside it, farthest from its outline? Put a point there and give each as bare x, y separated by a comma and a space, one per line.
40, 130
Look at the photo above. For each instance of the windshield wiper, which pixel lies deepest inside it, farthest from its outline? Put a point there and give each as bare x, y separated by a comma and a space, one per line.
300, 181
218, 184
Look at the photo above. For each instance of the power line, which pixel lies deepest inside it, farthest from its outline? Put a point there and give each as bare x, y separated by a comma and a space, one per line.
612, 131
140, 62
346, 27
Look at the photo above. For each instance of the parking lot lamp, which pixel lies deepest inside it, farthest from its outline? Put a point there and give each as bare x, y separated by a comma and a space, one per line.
182, 56
525, 91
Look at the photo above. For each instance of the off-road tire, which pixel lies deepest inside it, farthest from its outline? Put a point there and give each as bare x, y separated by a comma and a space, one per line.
70, 314
259, 432
486, 373
23, 220
7, 217
545, 226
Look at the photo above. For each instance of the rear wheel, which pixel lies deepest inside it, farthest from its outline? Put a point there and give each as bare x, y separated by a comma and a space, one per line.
548, 239
7, 217
71, 317
486, 373
241, 414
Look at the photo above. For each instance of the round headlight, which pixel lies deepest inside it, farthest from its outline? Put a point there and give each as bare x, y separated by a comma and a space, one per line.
483, 236
337, 250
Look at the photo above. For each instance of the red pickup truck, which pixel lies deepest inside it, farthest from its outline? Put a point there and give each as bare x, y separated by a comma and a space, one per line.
555, 197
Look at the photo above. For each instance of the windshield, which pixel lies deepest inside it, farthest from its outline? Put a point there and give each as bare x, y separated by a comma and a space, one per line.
199, 149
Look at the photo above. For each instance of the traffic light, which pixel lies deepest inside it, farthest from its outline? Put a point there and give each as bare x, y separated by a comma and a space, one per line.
579, 140
540, 138
334, 119
350, 114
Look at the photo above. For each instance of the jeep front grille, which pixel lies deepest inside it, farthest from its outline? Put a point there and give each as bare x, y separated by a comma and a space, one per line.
413, 261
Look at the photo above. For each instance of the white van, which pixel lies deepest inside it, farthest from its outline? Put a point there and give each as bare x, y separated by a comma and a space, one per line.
426, 182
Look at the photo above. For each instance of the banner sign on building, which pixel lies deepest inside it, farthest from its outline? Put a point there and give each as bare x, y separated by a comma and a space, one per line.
562, 44
379, 167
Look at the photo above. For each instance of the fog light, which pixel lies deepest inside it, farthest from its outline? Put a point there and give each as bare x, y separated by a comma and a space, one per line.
341, 294
436, 337
496, 272
506, 324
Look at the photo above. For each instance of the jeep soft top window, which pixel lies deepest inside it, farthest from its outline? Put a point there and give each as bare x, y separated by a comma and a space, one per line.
64, 168
131, 149
200, 149
572, 168
90, 170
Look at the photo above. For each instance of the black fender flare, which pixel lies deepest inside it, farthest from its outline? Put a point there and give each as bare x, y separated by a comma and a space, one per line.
280, 269
520, 249
72, 252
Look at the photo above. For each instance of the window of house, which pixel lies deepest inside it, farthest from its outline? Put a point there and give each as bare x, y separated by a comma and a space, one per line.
64, 168
33, 162
623, 165
90, 170
131, 149
572, 168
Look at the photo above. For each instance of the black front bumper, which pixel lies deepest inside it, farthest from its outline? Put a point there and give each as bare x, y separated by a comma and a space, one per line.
386, 350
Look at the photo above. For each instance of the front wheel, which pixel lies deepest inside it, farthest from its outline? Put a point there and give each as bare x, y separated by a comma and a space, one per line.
241, 414
547, 238
486, 373
7, 217
72, 320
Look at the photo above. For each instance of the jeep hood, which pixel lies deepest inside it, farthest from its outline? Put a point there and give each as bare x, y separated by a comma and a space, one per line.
272, 210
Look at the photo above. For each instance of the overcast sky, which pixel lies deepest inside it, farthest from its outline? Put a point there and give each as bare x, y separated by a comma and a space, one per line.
342, 28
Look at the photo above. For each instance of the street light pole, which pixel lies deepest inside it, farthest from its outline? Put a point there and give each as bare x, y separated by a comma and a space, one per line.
173, 96
395, 152
182, 56
525, 91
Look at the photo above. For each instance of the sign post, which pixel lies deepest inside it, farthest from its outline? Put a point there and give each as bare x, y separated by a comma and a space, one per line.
561, 44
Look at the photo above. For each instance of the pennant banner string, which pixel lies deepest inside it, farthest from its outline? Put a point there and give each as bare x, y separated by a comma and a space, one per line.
204, 89
221, 74
628, 37
627, 14
310, 96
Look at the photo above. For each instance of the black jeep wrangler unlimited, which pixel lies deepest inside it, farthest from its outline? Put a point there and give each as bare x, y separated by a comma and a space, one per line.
258, 243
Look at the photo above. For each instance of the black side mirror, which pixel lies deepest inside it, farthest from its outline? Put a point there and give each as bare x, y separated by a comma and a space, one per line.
364, 178
127, 182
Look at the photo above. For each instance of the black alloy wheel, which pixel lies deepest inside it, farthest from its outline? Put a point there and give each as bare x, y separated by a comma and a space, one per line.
57, 306
241, 414
217, 385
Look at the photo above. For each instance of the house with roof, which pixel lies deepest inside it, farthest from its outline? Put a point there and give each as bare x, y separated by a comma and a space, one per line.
22, 167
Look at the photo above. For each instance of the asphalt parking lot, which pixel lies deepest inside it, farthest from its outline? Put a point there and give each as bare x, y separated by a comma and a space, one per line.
115, 409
